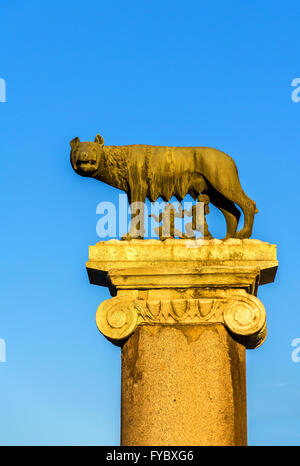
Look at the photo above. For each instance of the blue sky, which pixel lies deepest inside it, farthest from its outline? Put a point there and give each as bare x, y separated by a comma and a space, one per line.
162, 72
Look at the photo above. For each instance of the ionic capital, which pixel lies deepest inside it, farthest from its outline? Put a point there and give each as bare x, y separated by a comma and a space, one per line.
242, 314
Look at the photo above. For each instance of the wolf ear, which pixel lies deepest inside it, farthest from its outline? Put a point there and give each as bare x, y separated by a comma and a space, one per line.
99, 139
74, 142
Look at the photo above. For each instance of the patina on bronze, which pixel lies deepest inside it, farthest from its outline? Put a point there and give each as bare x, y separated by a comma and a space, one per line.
144, 171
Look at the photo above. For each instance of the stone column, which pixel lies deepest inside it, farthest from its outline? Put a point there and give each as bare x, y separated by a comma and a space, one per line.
184, 313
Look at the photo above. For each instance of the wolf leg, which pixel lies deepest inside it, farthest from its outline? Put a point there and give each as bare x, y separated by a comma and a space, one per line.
228, 209
227, 183
136, 199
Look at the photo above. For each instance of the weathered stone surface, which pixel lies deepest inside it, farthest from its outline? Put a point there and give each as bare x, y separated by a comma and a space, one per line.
183, 386
180, 257
152, 250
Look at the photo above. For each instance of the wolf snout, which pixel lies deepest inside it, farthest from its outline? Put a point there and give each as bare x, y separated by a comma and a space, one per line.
83, 157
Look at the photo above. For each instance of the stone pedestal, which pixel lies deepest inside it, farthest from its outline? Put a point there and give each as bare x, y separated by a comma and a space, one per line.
183, 312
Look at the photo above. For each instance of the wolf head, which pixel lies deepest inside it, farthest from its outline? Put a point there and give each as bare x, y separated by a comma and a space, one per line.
86, 156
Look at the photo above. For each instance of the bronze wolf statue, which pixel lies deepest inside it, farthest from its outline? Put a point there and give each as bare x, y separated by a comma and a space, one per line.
151, 172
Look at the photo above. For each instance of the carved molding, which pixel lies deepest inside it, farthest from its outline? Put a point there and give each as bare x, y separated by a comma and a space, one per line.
242, 314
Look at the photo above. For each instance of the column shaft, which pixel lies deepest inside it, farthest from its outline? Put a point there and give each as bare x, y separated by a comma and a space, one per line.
183, 385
